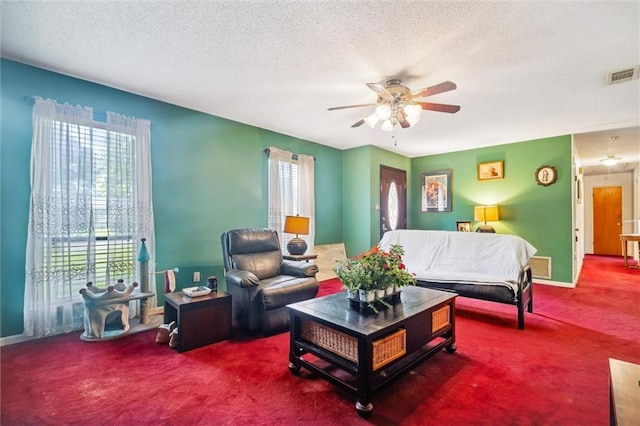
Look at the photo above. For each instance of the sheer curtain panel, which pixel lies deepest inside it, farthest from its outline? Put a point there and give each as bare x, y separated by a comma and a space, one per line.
90, 206
291, 192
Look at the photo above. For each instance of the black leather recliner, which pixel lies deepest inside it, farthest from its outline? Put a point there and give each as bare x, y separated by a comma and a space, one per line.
260, 282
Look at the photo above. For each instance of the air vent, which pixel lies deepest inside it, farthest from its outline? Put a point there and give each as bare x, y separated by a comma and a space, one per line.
623, 75
540, 266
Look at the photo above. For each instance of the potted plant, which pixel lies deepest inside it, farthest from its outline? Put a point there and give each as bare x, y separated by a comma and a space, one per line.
374, 271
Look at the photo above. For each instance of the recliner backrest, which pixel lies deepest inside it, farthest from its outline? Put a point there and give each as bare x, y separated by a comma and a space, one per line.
254, 250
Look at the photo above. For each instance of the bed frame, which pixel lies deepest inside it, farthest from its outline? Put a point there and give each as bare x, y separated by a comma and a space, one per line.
494, 293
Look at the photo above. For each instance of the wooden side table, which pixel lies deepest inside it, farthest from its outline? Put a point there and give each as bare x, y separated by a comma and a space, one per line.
624, 238
201, 320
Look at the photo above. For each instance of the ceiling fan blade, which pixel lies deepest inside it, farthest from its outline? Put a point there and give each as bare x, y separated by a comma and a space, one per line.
452, 109
358, 123
403, 120
381, 91
350, 106
434, 90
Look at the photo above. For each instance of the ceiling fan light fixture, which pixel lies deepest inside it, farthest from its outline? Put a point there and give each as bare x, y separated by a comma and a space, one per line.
610, 160
412, 111
372, 120
383, 111
396, 104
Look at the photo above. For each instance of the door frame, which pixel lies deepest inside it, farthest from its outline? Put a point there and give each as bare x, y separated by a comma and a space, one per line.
617, 179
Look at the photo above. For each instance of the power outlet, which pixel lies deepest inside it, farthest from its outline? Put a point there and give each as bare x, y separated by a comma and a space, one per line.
196, 277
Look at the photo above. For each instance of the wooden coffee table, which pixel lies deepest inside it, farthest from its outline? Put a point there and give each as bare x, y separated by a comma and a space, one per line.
372, 349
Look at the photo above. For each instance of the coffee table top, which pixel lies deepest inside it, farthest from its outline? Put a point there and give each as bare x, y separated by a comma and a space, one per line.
334, 309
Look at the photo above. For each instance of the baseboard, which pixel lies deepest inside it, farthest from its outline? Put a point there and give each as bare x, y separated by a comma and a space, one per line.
21, 338
18, 338
554, 283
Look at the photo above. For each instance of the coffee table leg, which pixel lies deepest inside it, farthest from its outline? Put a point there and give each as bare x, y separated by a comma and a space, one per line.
364, 410
295, 369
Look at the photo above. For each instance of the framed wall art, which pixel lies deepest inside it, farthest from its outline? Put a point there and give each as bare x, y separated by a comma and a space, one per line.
463, 226
491, 170
546, 175
436, 191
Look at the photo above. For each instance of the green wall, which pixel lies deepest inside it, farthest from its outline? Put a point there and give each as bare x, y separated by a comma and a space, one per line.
209, 175
540, 215
361, 194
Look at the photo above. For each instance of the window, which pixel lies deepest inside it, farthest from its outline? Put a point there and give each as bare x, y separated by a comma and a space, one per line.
96, 247
90, 206
291, 192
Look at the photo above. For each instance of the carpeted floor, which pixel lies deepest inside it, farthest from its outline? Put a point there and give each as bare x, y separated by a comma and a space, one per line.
553, 373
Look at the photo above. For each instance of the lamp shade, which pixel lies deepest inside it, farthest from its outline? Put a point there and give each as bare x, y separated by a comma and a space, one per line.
298, 225
485, 213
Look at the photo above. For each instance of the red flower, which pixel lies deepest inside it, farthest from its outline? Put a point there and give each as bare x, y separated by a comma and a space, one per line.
401, 266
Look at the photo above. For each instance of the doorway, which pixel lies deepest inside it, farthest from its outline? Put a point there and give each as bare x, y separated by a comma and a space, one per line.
393, 199
607, 220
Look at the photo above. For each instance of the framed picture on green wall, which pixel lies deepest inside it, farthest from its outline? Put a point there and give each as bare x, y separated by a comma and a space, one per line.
463, 226
436, 191
491, 170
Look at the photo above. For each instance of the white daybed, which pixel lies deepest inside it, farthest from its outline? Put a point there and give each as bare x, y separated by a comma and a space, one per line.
479, 265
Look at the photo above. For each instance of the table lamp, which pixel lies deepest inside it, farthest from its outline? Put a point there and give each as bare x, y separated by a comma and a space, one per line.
485, 214
298, 225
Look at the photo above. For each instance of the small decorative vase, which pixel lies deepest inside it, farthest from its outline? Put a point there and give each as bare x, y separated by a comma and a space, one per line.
380, 293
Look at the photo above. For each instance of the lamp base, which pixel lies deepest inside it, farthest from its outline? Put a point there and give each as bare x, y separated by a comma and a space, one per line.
486, 228
297, 246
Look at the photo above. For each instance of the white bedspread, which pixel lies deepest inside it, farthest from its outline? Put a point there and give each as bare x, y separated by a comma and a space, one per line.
464, 257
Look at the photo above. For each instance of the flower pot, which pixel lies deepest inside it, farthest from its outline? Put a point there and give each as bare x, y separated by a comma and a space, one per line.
380, 293
353, 295
367, 295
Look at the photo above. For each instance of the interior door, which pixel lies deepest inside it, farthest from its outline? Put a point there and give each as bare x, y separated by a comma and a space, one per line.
393, 199
607, 220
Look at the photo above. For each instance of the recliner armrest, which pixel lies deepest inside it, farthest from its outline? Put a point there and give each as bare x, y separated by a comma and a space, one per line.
242, 278
299, 269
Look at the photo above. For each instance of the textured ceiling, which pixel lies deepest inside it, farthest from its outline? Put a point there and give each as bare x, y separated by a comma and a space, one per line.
524, 70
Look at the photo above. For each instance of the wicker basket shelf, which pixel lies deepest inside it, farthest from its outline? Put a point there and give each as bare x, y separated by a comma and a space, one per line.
389, 348
440, 318
384, 350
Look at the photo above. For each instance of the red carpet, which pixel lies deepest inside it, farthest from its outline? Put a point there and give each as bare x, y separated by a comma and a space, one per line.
553, 373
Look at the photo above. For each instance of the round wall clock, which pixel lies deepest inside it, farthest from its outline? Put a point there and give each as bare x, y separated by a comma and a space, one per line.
546, 175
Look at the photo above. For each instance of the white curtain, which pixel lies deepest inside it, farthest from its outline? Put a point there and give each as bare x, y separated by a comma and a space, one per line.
140, 221
90, 205
291, 192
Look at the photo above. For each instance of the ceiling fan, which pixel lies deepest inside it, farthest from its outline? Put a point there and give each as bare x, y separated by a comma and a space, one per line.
396, 104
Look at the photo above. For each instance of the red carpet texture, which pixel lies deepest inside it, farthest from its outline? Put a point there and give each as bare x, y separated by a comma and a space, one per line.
553, 373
